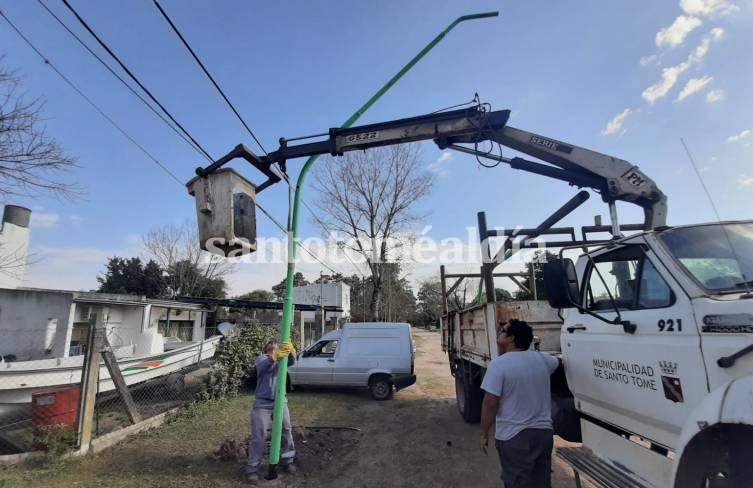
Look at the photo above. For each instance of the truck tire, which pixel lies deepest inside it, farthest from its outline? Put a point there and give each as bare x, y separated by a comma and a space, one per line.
468, 394
718, 458
380, 387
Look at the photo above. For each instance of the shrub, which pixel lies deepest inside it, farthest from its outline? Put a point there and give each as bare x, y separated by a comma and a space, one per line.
234, 359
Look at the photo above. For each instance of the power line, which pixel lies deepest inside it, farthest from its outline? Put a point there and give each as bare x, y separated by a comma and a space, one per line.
96, 107
239, 117
128, 136
116, 75
206, 72
134, 78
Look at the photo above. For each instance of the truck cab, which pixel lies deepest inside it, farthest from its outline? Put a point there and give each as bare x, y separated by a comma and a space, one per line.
657, 346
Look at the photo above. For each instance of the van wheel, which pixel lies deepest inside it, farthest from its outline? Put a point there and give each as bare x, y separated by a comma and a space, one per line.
380, 388
468, 395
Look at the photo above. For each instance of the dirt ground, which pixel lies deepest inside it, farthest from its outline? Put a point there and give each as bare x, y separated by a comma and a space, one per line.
343, 439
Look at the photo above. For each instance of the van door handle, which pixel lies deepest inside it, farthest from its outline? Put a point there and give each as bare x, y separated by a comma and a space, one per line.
575, 327
331, 360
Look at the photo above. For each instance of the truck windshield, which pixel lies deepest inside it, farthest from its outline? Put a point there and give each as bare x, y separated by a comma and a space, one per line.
718, 256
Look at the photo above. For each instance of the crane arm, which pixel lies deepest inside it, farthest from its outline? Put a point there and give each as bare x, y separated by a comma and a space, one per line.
615, 179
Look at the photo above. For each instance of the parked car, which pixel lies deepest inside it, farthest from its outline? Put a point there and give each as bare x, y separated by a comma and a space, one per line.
374, 355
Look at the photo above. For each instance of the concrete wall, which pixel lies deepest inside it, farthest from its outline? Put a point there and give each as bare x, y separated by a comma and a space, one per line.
31, 320
333, 295
159, 313
123, 324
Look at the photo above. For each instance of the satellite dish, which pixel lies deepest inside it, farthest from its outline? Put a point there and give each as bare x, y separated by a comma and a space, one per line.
226, 329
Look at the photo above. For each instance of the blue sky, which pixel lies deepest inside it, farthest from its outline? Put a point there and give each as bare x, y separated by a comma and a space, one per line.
625, 78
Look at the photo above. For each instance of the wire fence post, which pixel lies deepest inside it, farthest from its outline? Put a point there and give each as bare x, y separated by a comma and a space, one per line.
90, 380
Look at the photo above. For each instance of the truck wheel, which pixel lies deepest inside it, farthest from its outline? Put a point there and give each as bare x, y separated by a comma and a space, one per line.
380, 388
717, 458
468, 395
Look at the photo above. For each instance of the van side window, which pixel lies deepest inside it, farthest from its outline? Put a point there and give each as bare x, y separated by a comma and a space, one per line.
630, 278
324, 349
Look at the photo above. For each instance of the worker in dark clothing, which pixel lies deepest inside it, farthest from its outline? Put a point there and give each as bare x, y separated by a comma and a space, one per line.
517, 395
261, 414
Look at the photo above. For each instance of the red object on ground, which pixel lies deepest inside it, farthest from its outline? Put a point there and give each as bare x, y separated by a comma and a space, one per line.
54, 410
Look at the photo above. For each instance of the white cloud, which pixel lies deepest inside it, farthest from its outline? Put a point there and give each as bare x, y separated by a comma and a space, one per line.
670, 76
439, 167
715, 96
703, 48
746, 181
70, 268
75, 218
694, 85
646, 60
741, 136
675, 34
708, 7
615, 124
42, 220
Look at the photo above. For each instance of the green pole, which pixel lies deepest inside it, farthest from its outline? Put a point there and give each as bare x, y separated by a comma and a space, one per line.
287, 315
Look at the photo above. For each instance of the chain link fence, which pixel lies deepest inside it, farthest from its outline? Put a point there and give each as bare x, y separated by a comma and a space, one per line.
39, 397
150, 398
42, 399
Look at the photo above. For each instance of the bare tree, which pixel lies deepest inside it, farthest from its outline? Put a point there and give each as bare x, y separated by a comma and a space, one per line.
464, 295
31, 163
188, 270
368, 197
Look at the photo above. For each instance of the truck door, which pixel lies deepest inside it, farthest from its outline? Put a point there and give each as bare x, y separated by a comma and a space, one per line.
315, 365
648, 381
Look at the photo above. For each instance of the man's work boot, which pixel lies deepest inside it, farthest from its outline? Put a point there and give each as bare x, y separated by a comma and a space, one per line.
252, 478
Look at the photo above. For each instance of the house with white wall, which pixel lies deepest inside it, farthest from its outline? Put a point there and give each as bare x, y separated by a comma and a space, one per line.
43, 324
331, 296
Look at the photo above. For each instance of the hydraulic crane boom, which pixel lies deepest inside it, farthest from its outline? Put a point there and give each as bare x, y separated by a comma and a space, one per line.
615, 179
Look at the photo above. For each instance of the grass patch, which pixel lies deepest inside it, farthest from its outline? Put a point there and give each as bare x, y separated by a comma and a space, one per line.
178, 453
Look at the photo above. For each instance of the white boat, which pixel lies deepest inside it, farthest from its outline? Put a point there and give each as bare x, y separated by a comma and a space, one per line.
19, 380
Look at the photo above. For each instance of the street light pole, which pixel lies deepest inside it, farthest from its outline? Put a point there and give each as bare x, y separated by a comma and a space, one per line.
285, 326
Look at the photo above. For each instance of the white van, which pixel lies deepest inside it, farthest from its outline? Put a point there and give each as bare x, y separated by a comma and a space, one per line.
374, 355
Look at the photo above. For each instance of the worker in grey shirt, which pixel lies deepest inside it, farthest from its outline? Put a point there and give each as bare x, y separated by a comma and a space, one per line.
517, 395
261, 414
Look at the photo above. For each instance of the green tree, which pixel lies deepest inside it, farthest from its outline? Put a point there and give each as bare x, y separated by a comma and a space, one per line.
186, 278
258, 296
429, 302
537, 267
131, 276
279, 288
502, 295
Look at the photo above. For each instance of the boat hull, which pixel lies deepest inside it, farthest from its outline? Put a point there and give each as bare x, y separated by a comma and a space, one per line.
19, 380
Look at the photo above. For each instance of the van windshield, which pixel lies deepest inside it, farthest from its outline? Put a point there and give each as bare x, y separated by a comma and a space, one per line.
718, 256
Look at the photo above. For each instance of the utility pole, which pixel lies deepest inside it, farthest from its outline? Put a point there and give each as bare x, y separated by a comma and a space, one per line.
321, 297
274, 451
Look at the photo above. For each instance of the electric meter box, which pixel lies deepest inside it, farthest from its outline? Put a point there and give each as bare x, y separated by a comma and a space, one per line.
225, 212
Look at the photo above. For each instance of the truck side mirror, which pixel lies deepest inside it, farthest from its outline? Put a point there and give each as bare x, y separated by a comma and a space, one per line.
561, 284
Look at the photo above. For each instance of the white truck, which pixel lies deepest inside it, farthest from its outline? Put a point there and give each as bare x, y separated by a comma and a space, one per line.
657, 333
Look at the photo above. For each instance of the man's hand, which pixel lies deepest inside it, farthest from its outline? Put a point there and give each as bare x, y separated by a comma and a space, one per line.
484, 441
285, 349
